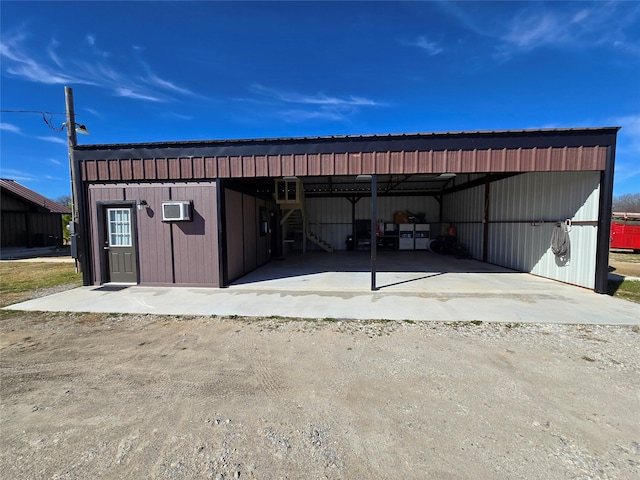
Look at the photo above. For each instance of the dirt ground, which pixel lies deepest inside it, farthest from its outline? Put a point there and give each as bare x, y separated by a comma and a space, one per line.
625, 262
110, 396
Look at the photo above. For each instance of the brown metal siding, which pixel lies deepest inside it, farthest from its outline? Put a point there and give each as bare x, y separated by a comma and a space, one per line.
224, 170
29, 229
235, 165
313, 164
432, 161
126, 171
262, 242
235, 237
288, 168
195, 243
14, 229
154, 236
246, 248
262, 166
248, 166
368, 163
355, 163
210, 167
250, 232
193, 260
300, 162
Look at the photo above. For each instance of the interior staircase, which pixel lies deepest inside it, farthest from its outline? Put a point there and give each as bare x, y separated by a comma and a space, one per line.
294, 221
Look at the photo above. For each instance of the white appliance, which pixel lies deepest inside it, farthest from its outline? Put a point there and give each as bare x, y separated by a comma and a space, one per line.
422, 236
405, 240
176, 211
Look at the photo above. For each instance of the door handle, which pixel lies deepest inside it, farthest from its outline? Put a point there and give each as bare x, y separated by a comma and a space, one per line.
107, 248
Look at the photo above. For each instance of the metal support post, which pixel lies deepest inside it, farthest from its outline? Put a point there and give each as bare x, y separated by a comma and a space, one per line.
374, 223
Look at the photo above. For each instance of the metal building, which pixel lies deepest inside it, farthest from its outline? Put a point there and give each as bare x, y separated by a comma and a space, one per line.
29, 219
204, 213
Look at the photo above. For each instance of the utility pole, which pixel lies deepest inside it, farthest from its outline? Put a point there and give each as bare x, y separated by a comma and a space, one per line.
77, 249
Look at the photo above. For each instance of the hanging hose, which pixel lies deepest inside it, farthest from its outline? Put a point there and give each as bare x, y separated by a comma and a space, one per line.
560, 241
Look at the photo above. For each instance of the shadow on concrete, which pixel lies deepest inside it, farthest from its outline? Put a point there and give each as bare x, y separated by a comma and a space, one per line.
425, 263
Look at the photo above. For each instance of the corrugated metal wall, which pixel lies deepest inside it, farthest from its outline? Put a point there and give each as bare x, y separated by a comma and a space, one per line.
24, 225
465, 209
395, 160
330, 218
549, 197
518, 236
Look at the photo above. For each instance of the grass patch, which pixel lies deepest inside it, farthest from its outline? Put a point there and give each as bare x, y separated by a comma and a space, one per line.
19, 280
628, 289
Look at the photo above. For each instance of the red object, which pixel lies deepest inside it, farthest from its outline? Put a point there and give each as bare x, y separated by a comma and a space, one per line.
625, 233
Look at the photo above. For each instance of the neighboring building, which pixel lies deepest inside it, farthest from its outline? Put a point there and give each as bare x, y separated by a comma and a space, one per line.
204, 213
28, 218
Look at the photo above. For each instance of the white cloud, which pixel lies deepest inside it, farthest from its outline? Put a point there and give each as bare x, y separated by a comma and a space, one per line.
626, 171
566, 25
155, 80
598, 24
431, 48
309, 106
301, 115
317, 99
55, 162
93, 112
629, 134
18, 175
130, 93
175, 115
53, 140
90, 66
10, 128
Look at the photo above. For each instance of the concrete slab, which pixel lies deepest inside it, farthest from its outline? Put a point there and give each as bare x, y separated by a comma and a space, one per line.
337, 286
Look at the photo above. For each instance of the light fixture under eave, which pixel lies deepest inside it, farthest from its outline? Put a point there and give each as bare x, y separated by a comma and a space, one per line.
290, 179
447, 175
80, 128
363, 178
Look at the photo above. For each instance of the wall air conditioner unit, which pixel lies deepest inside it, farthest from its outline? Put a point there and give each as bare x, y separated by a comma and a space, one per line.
176, 211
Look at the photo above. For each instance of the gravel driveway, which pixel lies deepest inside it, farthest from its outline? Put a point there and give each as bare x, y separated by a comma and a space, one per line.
108, 396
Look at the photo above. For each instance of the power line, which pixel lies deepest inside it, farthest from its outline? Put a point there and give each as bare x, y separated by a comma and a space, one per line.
33, 111
46, 116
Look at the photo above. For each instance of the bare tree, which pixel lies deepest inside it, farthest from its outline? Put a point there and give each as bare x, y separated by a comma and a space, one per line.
629, 203
66, 219
65, 200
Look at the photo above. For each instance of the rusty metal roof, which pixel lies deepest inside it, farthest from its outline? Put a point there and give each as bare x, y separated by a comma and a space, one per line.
30, 196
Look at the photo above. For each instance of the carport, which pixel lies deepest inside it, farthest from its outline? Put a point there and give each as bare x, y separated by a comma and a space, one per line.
505, 193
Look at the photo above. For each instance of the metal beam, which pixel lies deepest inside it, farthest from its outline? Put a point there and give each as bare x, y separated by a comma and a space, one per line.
604, 221
492, 177
374, 221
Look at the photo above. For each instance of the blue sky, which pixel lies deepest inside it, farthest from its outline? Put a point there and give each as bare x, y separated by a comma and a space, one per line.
160, 71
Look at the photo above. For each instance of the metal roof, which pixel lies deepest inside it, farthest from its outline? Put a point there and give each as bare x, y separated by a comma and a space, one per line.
32, 197
323, 138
